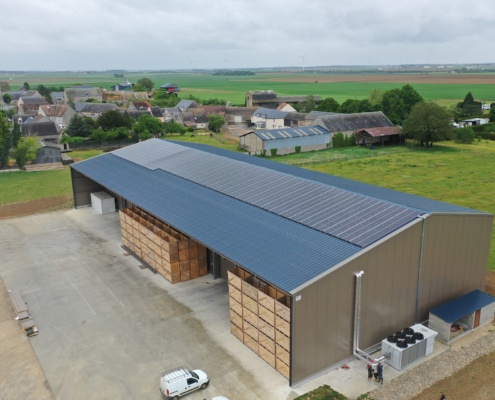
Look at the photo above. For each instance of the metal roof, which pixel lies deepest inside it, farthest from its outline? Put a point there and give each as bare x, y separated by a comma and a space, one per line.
284, 133
382, 131
463, 306
352, 217
352, 122
278, 250
409, 200
269, 113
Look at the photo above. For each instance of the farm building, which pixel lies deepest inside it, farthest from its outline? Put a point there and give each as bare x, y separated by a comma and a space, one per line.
285, 140
379, 136
170, 87
267, 118
350, 123
293, 244
270, 99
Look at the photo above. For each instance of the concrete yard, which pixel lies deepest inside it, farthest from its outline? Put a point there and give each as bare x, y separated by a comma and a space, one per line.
108, 328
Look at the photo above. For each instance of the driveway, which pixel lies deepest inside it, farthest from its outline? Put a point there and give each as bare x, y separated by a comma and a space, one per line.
108, 328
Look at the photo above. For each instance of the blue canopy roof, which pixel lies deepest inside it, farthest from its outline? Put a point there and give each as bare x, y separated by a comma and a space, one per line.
463, 306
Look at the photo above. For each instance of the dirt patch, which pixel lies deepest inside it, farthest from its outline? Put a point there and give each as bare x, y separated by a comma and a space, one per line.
475, 381
20, 371
35, 206
452, 79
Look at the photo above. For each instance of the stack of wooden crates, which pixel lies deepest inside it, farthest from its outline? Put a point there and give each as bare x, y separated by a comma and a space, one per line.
173, 255
260, 318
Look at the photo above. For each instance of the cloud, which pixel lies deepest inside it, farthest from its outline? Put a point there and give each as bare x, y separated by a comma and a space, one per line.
99, 34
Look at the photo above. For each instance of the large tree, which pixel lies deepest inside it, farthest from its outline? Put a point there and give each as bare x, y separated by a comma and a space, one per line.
80, 126
398, 103
5, 141
329, 105
26, 151
16, 134
26, 86
150, 124
113, 119
215, 122
7, 98
428, 123
146, 83
4, 86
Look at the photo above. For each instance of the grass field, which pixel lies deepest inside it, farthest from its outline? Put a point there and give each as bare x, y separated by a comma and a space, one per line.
446, 89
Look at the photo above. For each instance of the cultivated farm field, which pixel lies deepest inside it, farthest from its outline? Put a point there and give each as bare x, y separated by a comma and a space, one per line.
444, 88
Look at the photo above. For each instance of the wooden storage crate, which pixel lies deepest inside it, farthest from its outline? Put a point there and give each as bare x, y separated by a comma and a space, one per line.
249, 330
250, 304
266, 342
267, 296
282, 325
235, 306
235, 293
282, 340
266, 315
281, 367
183, 254
235, 277
282, 354
282, 307
250, 342
266, 355
250, 286
237, 332
249, 316
185, 276
236, 319
266, 328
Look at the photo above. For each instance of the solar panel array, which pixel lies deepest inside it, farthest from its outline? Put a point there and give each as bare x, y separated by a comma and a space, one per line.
351, 217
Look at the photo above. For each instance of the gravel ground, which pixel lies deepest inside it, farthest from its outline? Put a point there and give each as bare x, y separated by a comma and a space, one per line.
463, 351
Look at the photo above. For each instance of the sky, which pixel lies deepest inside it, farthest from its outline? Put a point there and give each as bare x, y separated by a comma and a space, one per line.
193, 34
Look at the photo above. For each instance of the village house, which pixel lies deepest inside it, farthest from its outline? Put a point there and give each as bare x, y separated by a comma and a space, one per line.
61, 114
82, 93
27, 104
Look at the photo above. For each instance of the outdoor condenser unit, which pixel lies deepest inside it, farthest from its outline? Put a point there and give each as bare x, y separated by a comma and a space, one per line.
403, 350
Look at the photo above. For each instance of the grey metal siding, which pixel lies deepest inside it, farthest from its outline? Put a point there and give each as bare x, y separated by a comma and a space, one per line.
297, 141
323, 318
455, 258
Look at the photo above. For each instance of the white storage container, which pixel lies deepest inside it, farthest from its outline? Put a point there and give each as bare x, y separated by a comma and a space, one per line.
102, 203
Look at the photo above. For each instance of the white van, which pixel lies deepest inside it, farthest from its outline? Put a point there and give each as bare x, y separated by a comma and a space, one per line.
180, 381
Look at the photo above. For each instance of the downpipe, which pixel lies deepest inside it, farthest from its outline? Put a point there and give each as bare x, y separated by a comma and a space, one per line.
362, 355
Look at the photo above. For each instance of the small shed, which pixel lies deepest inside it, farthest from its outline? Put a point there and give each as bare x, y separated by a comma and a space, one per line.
381, 136
463, 314
48, 153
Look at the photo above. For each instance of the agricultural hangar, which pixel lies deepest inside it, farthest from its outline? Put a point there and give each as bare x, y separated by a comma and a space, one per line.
296, 246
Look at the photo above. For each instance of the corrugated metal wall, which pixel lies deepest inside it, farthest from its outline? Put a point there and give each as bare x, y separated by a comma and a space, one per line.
455, 257
296, 141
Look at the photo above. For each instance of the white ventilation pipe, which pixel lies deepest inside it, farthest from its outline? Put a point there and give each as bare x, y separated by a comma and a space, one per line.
357, 323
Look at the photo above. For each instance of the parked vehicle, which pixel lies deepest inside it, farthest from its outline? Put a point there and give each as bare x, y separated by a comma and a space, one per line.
180, 381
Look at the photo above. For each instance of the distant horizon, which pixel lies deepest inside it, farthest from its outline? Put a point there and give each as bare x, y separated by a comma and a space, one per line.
288, 67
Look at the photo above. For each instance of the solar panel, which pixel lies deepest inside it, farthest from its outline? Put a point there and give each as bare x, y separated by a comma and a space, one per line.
349, 216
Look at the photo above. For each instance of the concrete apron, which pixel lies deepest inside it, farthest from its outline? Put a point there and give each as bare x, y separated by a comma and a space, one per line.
109, 328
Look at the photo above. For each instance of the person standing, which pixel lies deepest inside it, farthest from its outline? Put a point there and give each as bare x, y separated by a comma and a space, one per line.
442, 397
370, 373
379, 370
